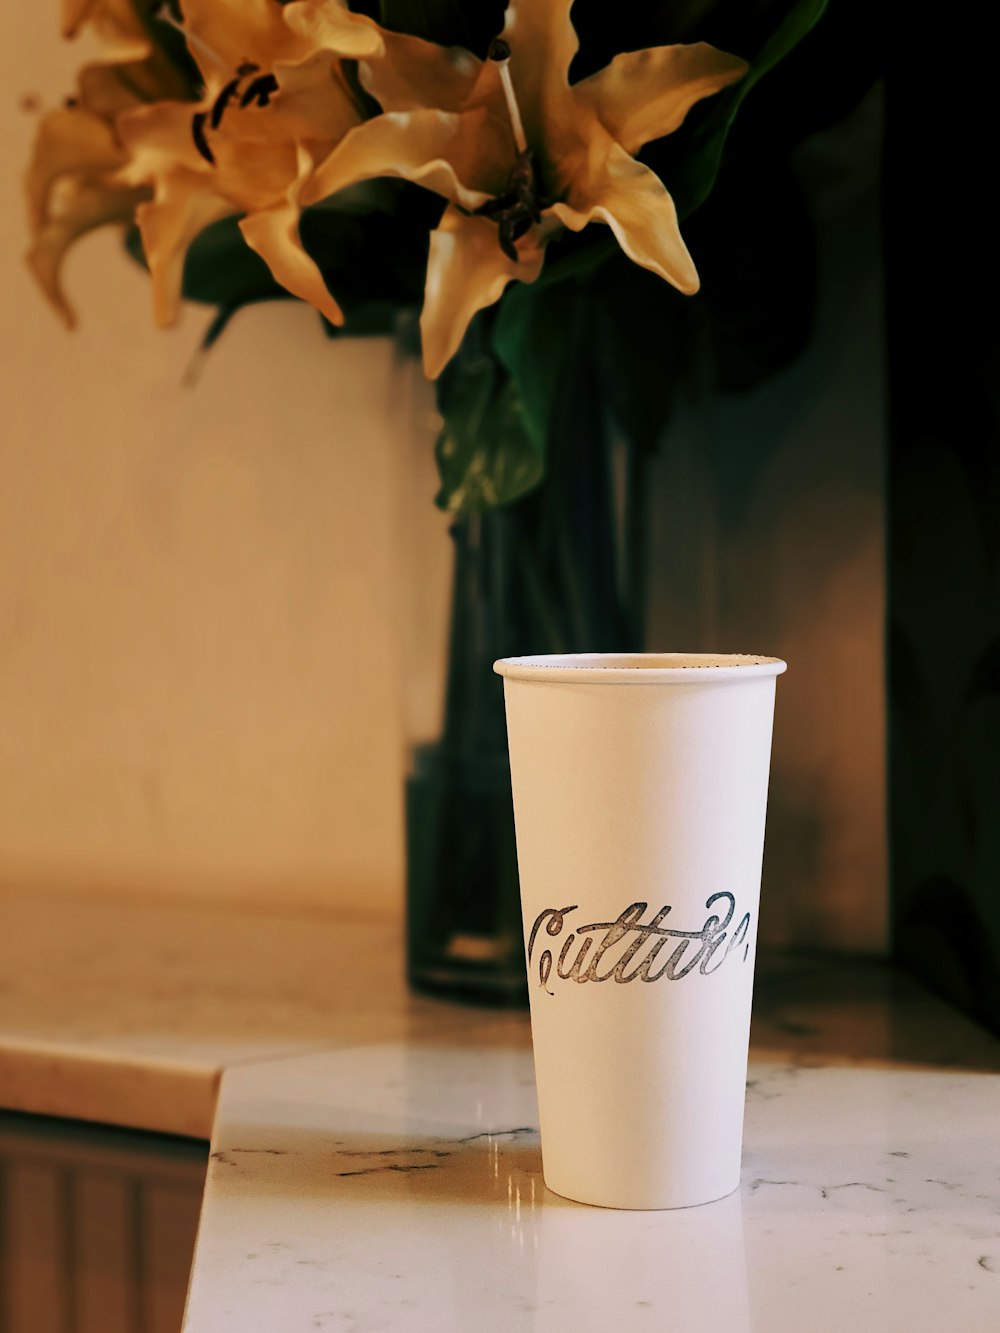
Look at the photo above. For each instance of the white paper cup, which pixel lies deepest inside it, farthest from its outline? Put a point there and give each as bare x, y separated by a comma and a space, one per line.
640, 788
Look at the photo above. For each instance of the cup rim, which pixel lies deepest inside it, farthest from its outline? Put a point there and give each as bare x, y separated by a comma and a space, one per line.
638, 668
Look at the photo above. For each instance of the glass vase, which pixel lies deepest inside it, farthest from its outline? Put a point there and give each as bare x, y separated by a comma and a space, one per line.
560, 570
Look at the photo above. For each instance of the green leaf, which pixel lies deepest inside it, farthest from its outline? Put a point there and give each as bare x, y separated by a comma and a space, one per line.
576, 257
533, 335
691, 178
643, 339
373, 261
221, 269
133, 246
486, 456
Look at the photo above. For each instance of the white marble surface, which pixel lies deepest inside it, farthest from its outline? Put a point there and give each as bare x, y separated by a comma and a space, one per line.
397, 1186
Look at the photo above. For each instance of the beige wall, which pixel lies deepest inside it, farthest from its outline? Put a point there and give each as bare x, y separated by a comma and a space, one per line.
198, 684
199, 667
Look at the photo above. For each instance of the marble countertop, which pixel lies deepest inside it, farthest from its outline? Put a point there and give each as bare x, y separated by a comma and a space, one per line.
397, 1186
375, 1161
389, 1189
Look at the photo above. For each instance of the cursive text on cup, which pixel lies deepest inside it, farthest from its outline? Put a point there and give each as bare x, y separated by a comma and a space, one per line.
629, 949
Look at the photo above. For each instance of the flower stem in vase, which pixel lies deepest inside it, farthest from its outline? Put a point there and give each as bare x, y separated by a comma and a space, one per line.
541, 574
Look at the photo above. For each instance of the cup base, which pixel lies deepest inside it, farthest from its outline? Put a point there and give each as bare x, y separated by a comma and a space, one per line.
619, 1204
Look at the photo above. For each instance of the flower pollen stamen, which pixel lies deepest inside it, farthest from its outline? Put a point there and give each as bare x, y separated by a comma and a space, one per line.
164, 15
500, 54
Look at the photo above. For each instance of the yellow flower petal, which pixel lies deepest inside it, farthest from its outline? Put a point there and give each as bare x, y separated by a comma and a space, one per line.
158, 138
542, 40
634, 203
643, 95
130, 67
69, 140
413, 73
75, 14
447, 153
543, 43
123, 29
169, 223
312, 103
330, 26
240, 31
466, 272
119, 16
259, 164
109, 89
274, 234
80, 207
250, 173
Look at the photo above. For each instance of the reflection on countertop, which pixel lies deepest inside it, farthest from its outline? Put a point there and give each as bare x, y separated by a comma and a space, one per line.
97, 1227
